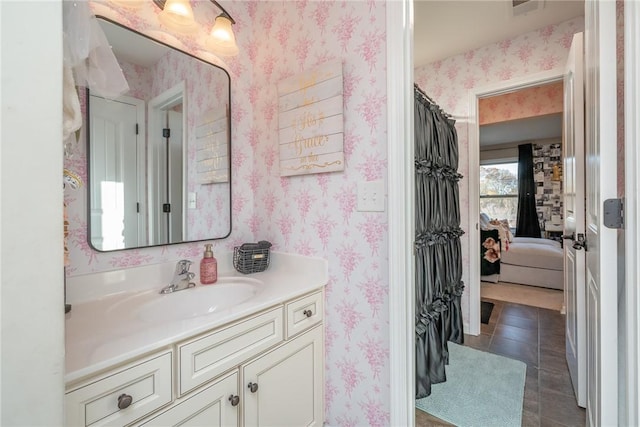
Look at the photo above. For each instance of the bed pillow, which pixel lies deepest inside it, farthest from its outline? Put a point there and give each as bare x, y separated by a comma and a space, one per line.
484, 221
489, 252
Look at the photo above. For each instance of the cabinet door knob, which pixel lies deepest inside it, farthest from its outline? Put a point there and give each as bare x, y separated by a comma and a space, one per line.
234, 400
308, 313
124, 400
253, 387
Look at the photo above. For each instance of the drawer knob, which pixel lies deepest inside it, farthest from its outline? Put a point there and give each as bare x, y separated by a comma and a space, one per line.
308, 313
253, 387
124, 400
234, 400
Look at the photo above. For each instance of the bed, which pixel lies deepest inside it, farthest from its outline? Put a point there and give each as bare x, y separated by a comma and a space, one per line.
522, 260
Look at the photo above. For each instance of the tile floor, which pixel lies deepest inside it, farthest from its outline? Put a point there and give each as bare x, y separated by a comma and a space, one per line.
536, 337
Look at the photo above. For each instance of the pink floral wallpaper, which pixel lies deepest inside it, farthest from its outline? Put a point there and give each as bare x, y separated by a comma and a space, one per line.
529, 102
448, 82
316, 214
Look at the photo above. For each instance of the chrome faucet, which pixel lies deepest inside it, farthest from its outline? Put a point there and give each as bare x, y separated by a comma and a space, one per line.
181, 278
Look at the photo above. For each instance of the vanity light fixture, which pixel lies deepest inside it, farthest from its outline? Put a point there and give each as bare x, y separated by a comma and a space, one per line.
178, 15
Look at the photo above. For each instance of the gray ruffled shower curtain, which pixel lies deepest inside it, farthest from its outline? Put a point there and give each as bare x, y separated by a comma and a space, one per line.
438, 254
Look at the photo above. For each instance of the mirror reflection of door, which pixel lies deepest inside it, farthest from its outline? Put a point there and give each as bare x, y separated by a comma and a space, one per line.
166, 169
115, 179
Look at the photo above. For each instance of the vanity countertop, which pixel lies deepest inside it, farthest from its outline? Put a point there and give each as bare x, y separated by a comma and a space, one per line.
104, 332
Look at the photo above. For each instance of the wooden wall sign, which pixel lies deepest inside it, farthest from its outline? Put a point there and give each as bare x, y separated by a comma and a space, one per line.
212, 155
311, 122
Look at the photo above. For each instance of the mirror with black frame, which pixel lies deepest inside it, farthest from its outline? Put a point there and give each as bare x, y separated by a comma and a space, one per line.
159, 156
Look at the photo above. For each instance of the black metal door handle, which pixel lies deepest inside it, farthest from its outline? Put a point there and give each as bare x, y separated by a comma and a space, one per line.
580, 242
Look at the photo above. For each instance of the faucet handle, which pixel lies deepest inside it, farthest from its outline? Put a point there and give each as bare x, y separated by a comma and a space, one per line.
183, 266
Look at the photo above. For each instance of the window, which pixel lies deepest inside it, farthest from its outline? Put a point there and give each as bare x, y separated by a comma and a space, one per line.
499, 191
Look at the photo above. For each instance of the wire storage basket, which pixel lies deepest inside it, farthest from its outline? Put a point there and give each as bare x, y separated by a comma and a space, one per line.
251, 257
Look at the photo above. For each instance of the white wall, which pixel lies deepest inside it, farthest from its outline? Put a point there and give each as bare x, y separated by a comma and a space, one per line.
32, 316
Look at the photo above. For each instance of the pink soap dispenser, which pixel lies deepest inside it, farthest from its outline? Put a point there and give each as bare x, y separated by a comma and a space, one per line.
208, 267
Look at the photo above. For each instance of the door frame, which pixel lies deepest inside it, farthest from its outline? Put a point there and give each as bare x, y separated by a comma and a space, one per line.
401, 222
498, 88
166, 99
632, 209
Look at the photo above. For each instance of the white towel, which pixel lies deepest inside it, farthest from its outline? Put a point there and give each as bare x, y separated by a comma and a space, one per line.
71, 113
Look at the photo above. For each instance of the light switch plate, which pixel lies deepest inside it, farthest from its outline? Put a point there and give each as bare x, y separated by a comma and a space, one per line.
192, 200
371, 196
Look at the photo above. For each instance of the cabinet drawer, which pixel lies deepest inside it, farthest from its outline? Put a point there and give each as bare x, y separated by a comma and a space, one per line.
207, 357
96, 404
304, 313
209, 407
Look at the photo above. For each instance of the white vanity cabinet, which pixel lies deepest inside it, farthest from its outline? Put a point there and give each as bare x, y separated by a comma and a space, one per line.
263, 370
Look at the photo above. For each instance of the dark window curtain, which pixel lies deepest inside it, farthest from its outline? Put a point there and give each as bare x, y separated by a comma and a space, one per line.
438, 255
528, 225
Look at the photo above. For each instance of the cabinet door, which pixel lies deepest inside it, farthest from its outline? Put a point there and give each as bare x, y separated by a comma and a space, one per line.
210, 407
289, 384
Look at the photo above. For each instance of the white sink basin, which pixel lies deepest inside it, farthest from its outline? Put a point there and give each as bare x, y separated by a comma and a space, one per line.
200, 300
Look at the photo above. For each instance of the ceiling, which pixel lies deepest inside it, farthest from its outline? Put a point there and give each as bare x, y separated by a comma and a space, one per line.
541, 127
444, 28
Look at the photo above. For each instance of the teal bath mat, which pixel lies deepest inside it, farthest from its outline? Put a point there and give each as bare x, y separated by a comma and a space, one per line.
482, 389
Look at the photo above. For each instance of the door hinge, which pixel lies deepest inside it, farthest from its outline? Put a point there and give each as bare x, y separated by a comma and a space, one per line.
138, 207
166, 207
137, 129
613, 213
166, 133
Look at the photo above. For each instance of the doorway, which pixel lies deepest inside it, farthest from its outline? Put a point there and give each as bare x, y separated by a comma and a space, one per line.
475, 95
529, 271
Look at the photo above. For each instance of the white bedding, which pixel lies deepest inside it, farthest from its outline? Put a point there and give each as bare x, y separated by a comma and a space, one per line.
531, 261
528, 261
535, 253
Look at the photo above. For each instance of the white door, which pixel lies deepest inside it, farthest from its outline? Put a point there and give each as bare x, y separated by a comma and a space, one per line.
574, 212
601, 173
114, 174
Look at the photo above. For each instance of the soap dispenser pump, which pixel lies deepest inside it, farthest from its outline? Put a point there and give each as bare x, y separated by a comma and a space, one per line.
208, 267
